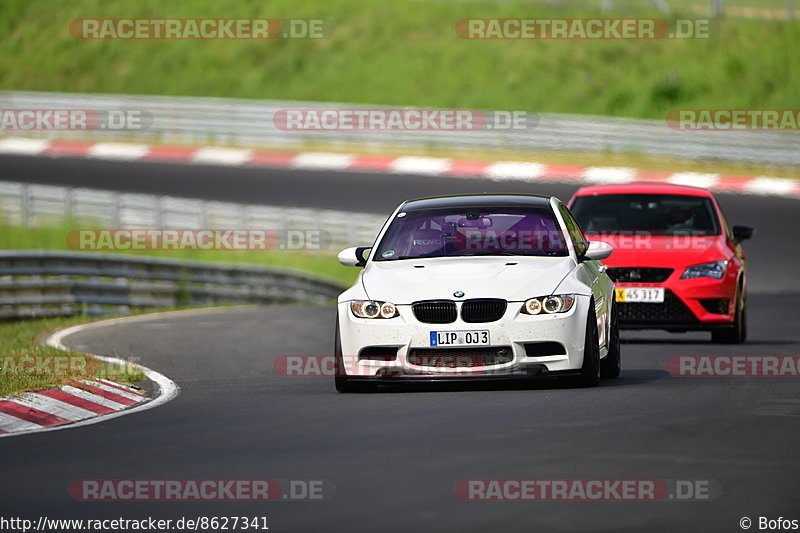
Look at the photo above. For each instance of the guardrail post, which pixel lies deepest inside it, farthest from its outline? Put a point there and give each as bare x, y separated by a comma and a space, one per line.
204, 222
116, 210
661, 5
69, 200
159, 214
25, 205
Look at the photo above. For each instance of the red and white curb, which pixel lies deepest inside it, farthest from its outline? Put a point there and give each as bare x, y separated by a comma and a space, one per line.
82, 402
429, 166
72, 402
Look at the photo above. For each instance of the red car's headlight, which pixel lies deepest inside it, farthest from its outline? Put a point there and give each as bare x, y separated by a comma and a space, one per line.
714, 269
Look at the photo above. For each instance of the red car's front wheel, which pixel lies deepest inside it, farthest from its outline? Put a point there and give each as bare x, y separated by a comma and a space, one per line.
737, 333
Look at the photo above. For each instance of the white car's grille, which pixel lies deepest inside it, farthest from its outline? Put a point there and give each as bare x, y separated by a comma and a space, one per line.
460, 357
435, 311
483, 310
473, 311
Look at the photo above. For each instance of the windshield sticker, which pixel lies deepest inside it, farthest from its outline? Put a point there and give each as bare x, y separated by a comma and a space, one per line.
388, 253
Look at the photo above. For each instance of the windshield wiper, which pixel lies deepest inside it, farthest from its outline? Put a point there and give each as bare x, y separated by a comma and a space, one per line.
482, 253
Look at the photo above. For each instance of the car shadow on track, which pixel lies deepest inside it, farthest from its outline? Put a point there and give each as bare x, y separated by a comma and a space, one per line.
701, 342
626, 379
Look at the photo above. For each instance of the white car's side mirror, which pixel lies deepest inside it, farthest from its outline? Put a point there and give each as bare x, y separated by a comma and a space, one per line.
598, 250
355, 256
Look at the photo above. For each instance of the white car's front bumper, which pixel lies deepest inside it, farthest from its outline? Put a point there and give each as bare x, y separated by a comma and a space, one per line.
406, 335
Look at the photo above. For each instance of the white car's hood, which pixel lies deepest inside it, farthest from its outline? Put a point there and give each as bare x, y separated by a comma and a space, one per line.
512, 278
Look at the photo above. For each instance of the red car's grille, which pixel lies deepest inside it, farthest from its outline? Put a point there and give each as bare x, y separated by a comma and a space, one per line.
672, 311
639, 274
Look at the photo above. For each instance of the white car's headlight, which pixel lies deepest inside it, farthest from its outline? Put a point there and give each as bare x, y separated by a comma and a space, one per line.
373, 309
715, 269
557, 303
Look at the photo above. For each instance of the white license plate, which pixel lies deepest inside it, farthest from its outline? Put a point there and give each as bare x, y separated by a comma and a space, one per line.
640, 295
460, 338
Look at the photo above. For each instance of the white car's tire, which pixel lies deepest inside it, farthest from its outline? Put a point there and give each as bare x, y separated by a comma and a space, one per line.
590, 369
611, 366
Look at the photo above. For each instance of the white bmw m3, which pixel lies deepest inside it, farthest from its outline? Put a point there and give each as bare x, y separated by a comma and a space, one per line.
477, 287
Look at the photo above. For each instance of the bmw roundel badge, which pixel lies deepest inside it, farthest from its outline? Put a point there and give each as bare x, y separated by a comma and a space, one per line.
458, 294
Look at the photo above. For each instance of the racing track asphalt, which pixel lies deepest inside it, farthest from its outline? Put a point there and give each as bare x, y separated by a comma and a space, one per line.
774, 259
395, 457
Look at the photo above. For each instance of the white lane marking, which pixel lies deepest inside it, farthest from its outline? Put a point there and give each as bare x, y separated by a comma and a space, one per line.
94, 398
514, 170
108, 388
118, 151
322, 161
52, 406
695, 179
760, 185
15, 425
770, 186
23, 146
221, 156
420, 165
609, 174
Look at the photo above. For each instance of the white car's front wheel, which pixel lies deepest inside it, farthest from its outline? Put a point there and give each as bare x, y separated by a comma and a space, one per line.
611, 366
590, 369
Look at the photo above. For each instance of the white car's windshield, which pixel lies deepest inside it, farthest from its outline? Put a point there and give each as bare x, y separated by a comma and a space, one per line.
448, 232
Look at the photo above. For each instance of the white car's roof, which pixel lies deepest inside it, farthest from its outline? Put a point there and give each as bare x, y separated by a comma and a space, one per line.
470, 200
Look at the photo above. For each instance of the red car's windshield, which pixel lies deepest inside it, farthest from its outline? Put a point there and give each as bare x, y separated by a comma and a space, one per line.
647, 214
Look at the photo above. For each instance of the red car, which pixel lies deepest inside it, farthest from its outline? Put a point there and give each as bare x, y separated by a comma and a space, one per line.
677, 265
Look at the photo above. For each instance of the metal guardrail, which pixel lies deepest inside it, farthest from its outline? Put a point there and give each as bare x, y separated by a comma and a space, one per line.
23, 204
42, 283
250, 123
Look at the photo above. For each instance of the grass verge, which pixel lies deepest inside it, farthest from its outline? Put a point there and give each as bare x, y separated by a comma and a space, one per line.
54, 237
25, 365
406, 52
